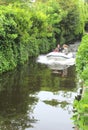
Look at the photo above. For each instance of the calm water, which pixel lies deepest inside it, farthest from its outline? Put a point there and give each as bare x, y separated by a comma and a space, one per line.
33, 97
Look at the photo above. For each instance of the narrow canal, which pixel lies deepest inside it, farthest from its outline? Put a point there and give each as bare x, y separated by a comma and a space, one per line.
32, 97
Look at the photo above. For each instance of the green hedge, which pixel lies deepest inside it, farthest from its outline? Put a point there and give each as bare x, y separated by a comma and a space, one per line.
82, 58
80, 117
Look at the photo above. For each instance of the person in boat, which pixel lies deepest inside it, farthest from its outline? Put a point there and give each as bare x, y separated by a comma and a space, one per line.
58, 48
65, 49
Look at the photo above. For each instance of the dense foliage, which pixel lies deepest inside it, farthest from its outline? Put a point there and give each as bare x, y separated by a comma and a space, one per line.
13, 36
81, 116
82, 59
28, 29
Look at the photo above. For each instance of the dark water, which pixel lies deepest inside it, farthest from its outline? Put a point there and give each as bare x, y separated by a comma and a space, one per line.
32, 97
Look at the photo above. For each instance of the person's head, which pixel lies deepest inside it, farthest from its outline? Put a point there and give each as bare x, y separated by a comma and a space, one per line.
65, 46
58, 46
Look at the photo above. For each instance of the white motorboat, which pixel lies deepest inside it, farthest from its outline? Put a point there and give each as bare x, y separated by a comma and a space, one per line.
59, 55
57, 60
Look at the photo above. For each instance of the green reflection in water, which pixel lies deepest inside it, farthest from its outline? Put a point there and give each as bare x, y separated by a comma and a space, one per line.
55, 103
18, 90
56, 82
15, 97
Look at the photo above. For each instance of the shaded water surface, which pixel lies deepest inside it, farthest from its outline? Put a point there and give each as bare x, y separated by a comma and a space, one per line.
33, 97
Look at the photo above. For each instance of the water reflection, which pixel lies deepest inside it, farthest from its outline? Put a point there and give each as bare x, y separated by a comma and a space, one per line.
15, 100
28, 93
